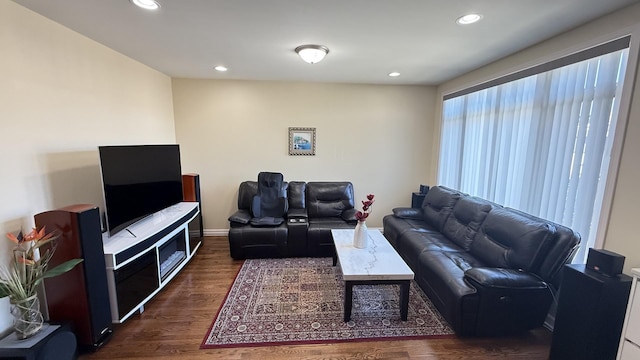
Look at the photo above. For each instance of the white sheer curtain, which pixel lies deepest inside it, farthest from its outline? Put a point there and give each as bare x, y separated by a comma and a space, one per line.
540, 144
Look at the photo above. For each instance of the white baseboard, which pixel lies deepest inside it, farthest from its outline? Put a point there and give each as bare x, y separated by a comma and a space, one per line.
216, 232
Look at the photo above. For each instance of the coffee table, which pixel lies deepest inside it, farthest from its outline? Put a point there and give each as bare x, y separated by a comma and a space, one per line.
377, 264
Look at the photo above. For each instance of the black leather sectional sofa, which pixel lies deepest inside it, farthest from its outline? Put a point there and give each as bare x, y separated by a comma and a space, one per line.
489, 270
314, 208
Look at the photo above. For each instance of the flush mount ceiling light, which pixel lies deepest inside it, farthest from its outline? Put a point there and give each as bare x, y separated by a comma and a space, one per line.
146, 4
312, 53
394, 74
469, 19
220, 68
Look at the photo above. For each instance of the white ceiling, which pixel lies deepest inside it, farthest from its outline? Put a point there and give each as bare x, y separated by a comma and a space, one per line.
367, 39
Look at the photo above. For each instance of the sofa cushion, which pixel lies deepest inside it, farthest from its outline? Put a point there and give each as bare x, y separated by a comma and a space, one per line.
329, 199
349, 215
407, 213
559, 252
465, 219
328, 223
246, 192
441, 276
509, 239
413, 242
394, 227
319, 239
296, 194
438, 204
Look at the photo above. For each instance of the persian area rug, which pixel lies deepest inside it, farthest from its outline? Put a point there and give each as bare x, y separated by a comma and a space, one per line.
300, 301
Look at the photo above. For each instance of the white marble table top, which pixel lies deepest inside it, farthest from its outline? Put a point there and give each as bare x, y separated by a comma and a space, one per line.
378, 261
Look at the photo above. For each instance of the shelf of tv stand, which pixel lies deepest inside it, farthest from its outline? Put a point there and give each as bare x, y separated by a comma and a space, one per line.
142, 259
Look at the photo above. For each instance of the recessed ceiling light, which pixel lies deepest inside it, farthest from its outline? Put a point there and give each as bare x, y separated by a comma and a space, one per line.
220, 68
469, 19
394, 74
146, 4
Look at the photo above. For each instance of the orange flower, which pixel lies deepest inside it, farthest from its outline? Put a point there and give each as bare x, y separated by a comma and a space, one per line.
15, 239
36, 235
30, 262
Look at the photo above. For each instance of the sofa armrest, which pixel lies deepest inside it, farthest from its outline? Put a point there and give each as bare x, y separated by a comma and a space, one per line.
349, 215
297, 214
509, 301
241, 217
504, 278
407, 213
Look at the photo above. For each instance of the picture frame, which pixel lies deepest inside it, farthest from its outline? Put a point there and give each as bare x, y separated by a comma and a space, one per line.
302, 141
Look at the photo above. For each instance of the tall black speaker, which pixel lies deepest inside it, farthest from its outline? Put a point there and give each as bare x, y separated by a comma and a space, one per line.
191, 192
80, 296
591, 309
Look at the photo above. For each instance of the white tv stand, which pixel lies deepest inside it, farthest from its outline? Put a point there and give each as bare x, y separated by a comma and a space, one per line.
142, 259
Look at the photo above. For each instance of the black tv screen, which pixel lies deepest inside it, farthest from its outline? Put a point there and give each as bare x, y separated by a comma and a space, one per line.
139, 180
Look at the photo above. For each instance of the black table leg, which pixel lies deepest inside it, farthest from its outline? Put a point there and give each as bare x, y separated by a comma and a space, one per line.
404, 295
404, 299
348, 300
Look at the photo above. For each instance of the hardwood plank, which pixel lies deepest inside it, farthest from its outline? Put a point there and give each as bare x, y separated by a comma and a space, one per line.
177, 319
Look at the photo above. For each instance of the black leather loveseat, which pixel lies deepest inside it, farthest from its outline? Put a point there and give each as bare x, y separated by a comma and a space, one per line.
489, 270
314, 208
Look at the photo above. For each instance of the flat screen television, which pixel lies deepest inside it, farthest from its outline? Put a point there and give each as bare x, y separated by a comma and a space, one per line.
138, 180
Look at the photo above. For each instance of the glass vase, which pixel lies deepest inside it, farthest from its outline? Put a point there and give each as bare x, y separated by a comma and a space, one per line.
360, 236
27, 318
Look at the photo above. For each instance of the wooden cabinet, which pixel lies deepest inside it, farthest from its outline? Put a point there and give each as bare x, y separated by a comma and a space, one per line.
629, 348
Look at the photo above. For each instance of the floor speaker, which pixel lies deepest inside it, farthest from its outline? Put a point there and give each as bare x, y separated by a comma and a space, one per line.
53, 342
80, 296
591, 309
191, 192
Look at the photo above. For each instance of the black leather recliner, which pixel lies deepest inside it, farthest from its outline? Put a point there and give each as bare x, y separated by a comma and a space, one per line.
490, 270
314, 209
251, 241
329, 205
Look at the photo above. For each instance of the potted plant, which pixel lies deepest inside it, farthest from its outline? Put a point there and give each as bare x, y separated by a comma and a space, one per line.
21, 279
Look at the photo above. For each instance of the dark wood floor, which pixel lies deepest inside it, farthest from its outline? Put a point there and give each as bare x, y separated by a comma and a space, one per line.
177, 319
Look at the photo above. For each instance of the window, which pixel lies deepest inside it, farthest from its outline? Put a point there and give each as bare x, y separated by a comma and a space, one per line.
539, 141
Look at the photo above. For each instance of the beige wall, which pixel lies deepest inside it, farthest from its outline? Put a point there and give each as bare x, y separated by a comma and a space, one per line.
61, 96
378, 137
621, 235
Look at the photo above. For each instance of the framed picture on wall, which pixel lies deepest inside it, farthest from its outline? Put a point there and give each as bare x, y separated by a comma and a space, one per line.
302, 141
